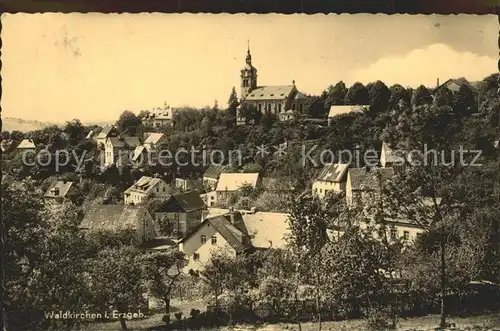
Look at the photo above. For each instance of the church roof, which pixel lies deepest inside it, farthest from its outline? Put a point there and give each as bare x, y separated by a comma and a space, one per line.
278, 92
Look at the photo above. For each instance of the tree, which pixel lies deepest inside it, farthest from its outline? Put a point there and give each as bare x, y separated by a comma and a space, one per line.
232, 102
335, 95
315, 106
75, 131
379, 95
308, 223
128, 123
444, 97
464, 102
357, 95
399, 95
250, 113
421, 96
162, 269
116, 280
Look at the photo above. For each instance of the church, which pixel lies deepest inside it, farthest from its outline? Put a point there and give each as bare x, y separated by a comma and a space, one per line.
282, 100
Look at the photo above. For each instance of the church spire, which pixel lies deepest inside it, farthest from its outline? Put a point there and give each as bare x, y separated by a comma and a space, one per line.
249, 56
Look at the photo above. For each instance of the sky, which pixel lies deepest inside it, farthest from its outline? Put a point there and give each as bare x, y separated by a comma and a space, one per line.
57, 67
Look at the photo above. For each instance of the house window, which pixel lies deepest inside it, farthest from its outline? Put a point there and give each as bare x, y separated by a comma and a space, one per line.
203, 239
293, 106
157, 124
394, 233
260, 107
279, 107
406, 235
269, 107
300, 107
214, 240
196, 256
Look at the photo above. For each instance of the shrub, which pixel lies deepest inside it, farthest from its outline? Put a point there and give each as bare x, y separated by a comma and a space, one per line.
166, 319
178, 315
194, 312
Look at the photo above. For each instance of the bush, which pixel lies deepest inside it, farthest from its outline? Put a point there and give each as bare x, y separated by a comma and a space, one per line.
166, 319
178, 315
194, 312
380, 318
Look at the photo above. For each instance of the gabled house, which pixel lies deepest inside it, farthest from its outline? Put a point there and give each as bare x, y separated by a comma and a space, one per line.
209, 198
25, 145
455, 84
106, 132
229, 183
345, 109
212, 174
332, 177
145, 188
119, 148
361, 181
159, 117
154, 139
234, 233
148, 151
60, 191
388, 157
117, 217
181, 212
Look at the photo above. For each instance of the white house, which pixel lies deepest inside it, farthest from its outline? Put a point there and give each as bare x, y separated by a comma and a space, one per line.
26, 144
60, 190
159, 117
106, 132
119, 148
332, 178
233, 233
144, 188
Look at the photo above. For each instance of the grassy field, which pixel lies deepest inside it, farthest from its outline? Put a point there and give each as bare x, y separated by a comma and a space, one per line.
476, 323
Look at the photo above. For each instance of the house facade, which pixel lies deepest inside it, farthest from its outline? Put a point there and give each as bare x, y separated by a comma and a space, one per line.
181, 213
118, 217
209, 198
186, 184
282, 100
332, 178
106, 132
119, 149
159, 117
143, 189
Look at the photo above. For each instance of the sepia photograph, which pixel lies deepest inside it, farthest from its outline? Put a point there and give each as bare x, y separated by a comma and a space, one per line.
250, 172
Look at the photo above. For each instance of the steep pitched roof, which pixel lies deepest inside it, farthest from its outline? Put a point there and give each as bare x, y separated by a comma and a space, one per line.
187, 202
339, 110
299, 96
105, 131
455, 84
26, 144
63, 187
367, 178
154, 138
279, 92
128, 142
113, 217
234, 181
214, 171
267, 229
334, 172
144, 185
233, 236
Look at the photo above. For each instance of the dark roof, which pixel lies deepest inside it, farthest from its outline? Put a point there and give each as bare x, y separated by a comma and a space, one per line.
234, 237
106, 130
113, 217
460, 82
185, 202
214, 171
367, 178
334, 172
129, 142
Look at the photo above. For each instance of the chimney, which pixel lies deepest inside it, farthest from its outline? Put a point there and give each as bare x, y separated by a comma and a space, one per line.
437, 82
56, 191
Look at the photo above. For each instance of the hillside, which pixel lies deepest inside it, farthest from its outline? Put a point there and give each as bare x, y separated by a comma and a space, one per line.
19, 124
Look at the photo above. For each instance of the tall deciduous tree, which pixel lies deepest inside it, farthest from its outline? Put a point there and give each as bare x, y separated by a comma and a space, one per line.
128, 123
379, 95
357, 95
335, 95
421, 96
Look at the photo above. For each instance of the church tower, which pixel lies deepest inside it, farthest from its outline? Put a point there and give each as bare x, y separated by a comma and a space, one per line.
248, 76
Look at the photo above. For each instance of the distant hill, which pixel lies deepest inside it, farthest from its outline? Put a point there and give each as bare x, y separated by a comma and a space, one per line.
19, 124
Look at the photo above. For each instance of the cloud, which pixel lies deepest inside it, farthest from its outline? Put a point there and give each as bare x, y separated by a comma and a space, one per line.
424, 66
